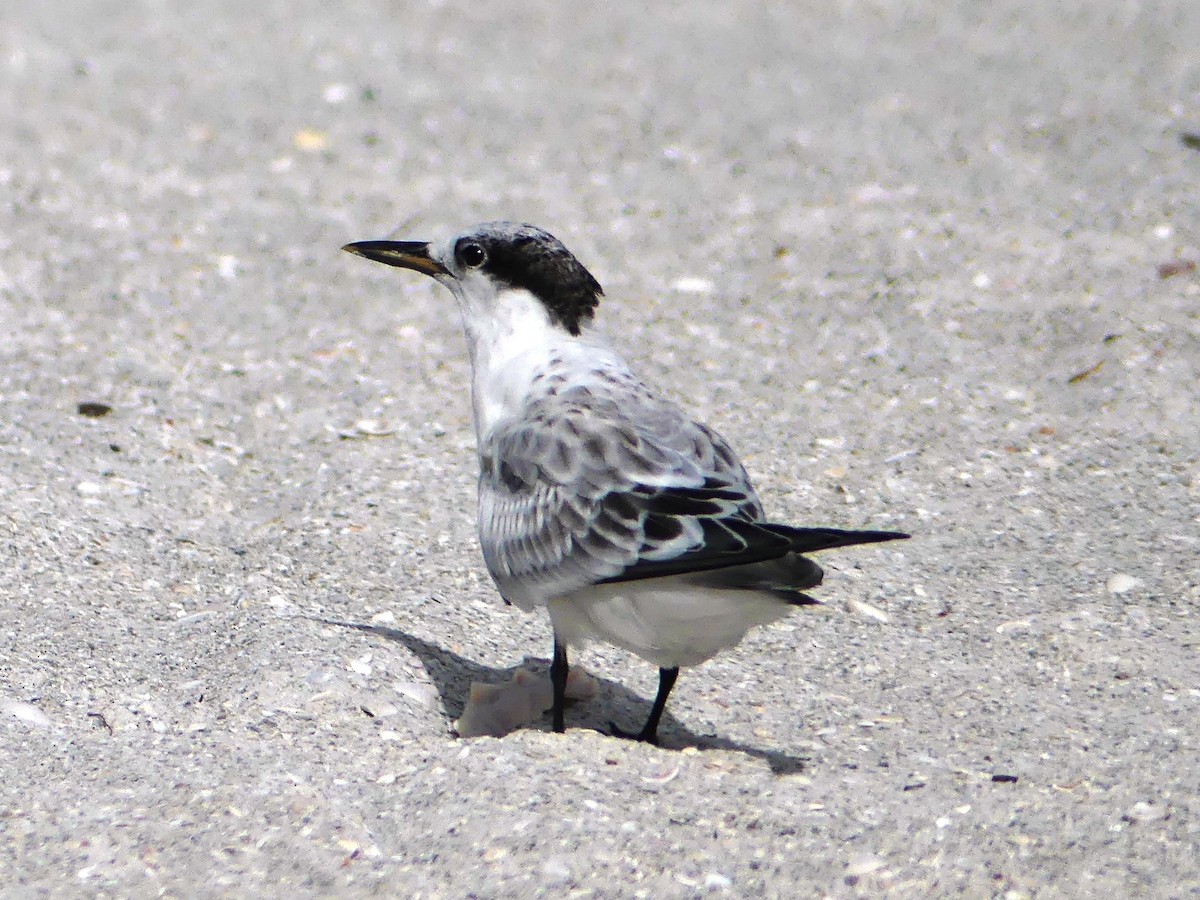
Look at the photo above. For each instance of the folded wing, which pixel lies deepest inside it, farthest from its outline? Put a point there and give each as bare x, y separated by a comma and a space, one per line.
580, 494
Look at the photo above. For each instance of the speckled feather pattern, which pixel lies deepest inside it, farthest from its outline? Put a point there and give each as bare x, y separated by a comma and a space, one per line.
589, 480
599, 499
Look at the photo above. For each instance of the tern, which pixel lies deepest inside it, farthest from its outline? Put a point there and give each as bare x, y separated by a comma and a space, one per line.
599, 499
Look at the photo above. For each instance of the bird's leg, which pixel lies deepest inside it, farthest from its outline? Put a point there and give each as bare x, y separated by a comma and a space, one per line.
649, 734
666, 681
558, 682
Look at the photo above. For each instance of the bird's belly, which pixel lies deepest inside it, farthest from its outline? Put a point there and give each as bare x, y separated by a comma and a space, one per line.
666, 621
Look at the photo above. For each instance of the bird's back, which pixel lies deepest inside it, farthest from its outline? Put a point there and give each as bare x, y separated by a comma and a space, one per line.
596, 474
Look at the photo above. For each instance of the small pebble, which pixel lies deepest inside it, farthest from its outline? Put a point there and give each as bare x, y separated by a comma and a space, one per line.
1121, 583
372, 428
310, 140
1144, 812
662, 776
715, 881
876, 193
866, 610
692, 286
93, 409
863, 865
1176, 267
380, 710
26, 712
424, 694
336, 93
1016, 624
556, 870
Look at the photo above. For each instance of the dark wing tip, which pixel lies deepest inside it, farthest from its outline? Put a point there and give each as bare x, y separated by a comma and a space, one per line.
810, 540
875, 537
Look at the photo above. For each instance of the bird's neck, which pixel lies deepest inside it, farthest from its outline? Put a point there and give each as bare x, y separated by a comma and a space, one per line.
510, 346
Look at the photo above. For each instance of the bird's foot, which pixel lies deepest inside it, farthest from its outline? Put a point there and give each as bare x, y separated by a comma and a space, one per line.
614, 730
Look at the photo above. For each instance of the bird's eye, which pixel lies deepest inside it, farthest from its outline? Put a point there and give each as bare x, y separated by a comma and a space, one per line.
471, 255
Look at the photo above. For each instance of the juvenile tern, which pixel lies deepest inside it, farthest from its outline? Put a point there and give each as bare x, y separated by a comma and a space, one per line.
599, 499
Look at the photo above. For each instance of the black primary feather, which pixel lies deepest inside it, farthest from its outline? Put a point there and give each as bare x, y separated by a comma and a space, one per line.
731, 542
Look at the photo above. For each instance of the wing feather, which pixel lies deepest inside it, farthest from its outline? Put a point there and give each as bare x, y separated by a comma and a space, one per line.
577, 493
592, 491
599, 480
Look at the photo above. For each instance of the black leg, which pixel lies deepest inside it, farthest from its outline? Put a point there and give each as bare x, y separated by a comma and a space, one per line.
649, 734
666, 681
558, 681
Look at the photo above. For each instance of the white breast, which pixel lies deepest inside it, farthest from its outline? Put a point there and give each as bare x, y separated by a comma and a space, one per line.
512, 340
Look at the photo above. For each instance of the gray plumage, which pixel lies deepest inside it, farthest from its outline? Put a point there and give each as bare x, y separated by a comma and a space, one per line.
598, 499
587, 483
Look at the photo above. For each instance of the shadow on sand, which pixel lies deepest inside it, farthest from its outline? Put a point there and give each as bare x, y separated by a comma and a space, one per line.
452, 676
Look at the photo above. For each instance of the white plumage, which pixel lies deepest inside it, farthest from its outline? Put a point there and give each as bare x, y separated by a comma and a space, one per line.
599, 499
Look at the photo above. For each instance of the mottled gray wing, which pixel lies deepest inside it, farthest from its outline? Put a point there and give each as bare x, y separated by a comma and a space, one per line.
576, 494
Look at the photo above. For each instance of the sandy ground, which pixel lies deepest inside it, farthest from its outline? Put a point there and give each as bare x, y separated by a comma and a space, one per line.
905, 256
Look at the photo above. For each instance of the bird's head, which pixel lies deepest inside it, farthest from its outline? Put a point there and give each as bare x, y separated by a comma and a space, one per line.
494, 260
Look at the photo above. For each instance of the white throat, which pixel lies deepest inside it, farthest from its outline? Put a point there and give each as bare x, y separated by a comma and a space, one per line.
510, 338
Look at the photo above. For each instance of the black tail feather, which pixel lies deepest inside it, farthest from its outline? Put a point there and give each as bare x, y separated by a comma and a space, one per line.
733, 543
810, 540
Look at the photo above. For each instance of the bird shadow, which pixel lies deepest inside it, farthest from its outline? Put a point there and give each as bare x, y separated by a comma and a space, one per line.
452, 675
